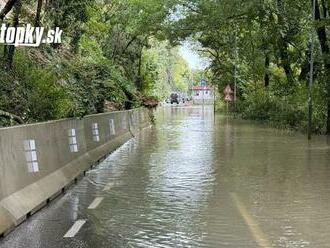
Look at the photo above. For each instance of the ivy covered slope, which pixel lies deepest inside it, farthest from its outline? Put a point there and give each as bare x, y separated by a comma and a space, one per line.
113, 54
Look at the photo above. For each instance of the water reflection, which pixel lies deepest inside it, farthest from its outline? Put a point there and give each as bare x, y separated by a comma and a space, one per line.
191, 181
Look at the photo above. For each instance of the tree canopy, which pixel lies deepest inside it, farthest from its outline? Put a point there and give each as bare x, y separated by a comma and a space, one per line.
264, 45
116, 52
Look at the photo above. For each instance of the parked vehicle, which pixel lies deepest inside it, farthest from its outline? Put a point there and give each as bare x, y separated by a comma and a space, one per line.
174, 98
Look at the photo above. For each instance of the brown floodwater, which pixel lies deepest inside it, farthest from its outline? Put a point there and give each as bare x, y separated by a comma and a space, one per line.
196, 180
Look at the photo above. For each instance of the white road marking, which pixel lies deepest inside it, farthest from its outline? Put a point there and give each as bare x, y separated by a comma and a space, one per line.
108, 186
255, 229
96, 203
75, 229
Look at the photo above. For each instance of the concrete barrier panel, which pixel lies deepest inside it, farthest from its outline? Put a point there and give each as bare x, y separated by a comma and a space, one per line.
37, 161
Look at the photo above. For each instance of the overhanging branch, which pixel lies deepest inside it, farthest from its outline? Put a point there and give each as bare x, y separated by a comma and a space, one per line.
8, 7
11, 116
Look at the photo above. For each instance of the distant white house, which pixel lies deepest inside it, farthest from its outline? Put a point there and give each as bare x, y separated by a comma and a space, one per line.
202, 95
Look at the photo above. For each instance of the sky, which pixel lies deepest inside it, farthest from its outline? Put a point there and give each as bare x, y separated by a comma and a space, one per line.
194, 60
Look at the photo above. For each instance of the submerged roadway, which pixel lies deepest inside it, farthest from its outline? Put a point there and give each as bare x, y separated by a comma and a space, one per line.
194, 180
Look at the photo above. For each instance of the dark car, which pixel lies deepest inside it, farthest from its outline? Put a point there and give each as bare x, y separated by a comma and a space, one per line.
174, 98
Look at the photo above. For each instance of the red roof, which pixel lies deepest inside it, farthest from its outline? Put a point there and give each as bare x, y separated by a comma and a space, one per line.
201, 88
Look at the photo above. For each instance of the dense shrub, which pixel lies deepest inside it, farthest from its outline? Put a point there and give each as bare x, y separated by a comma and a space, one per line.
285, 111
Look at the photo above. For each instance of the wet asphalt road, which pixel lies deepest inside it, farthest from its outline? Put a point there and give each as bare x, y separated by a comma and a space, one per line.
194, 181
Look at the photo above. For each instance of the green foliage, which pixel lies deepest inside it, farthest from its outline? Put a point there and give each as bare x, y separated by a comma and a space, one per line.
284, 111
265, 106
164, 70
32, 92
105, 60
267, 44
120, 51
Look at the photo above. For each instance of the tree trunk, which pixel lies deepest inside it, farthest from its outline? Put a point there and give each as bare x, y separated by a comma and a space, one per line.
5, 52
11, 48
139, 83
285, 61
38, 14
305, 67
323, 39
75, 40
267, 63
283, 44
8, 7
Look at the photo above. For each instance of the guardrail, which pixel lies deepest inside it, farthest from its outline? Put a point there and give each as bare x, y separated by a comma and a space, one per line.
38, 161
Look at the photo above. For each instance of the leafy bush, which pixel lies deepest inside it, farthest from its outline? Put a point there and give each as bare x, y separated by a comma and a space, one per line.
285, 111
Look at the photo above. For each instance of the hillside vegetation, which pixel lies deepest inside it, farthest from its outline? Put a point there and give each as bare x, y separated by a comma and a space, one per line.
113, 55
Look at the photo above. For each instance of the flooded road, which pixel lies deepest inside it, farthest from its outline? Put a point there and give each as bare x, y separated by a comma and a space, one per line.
195, 180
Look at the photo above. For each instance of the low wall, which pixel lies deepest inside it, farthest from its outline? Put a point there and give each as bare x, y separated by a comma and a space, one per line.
38, 161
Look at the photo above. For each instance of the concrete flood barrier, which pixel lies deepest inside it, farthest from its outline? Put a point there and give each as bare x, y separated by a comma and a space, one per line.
38, 161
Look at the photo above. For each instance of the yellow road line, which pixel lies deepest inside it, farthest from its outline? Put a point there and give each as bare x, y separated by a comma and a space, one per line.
255, 230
